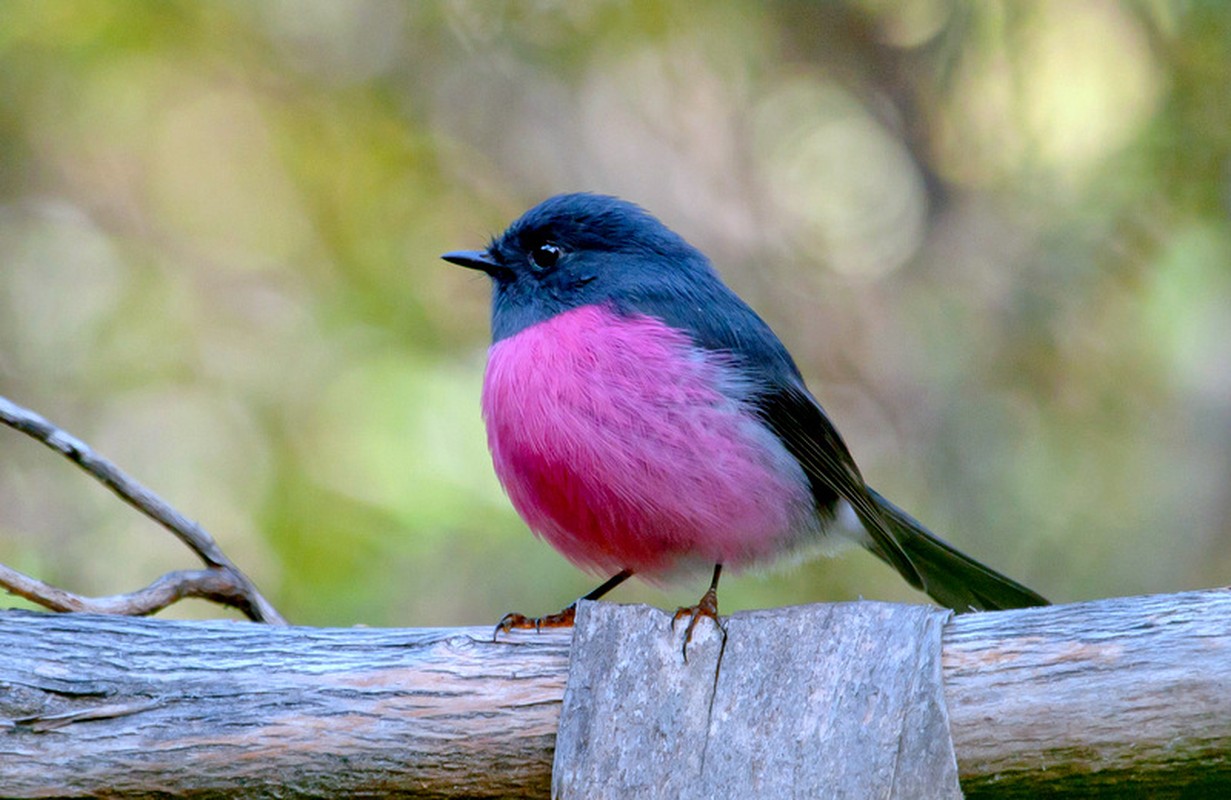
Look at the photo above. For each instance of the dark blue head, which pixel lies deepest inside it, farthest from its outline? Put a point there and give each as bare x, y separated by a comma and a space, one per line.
573, 250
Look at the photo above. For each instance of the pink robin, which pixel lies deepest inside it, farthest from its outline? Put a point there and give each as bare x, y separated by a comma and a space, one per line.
645, 421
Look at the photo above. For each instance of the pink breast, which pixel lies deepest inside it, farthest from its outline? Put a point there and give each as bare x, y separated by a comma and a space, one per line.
626, 447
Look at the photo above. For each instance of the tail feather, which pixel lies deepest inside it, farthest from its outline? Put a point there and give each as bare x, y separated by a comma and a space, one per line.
952, 578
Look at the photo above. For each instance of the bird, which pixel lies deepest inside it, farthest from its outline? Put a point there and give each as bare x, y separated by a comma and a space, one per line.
644, 420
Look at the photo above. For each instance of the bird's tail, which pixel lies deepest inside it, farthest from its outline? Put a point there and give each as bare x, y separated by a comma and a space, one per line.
951, 578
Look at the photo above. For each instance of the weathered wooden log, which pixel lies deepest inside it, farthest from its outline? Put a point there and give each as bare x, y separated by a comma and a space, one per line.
128, 707
1125, 697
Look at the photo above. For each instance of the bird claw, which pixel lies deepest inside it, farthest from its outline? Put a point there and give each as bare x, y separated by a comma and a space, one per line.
707, 607
561, 619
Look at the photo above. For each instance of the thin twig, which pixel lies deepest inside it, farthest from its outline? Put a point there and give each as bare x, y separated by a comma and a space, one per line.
221, 581
212, 583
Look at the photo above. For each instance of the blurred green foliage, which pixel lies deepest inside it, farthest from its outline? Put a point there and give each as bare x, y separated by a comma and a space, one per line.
994, 234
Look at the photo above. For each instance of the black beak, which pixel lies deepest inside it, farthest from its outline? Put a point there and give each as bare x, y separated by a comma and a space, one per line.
473, 259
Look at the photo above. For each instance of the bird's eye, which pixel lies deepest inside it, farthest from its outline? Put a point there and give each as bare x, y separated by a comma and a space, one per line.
545, 256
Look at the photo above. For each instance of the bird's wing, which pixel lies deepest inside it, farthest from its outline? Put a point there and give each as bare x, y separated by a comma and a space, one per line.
797, 419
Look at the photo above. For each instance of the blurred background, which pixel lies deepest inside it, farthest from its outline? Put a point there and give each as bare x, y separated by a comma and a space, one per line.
995, 235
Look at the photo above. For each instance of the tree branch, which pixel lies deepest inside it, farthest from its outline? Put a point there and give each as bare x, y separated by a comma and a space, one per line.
212, 583
221, 581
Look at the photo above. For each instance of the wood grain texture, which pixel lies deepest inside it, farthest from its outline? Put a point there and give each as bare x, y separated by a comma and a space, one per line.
812, 701
126, 707
1125, 697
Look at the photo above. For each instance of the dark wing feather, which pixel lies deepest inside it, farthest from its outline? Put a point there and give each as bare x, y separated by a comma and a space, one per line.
798, 420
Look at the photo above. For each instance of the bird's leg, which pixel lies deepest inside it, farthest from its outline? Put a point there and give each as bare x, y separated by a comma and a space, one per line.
706, 607
563, 618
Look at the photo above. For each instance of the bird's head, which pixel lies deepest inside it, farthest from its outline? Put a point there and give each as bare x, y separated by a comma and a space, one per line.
573, 250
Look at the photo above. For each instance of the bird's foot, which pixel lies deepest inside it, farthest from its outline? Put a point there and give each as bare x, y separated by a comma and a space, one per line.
560, 619
706, 607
